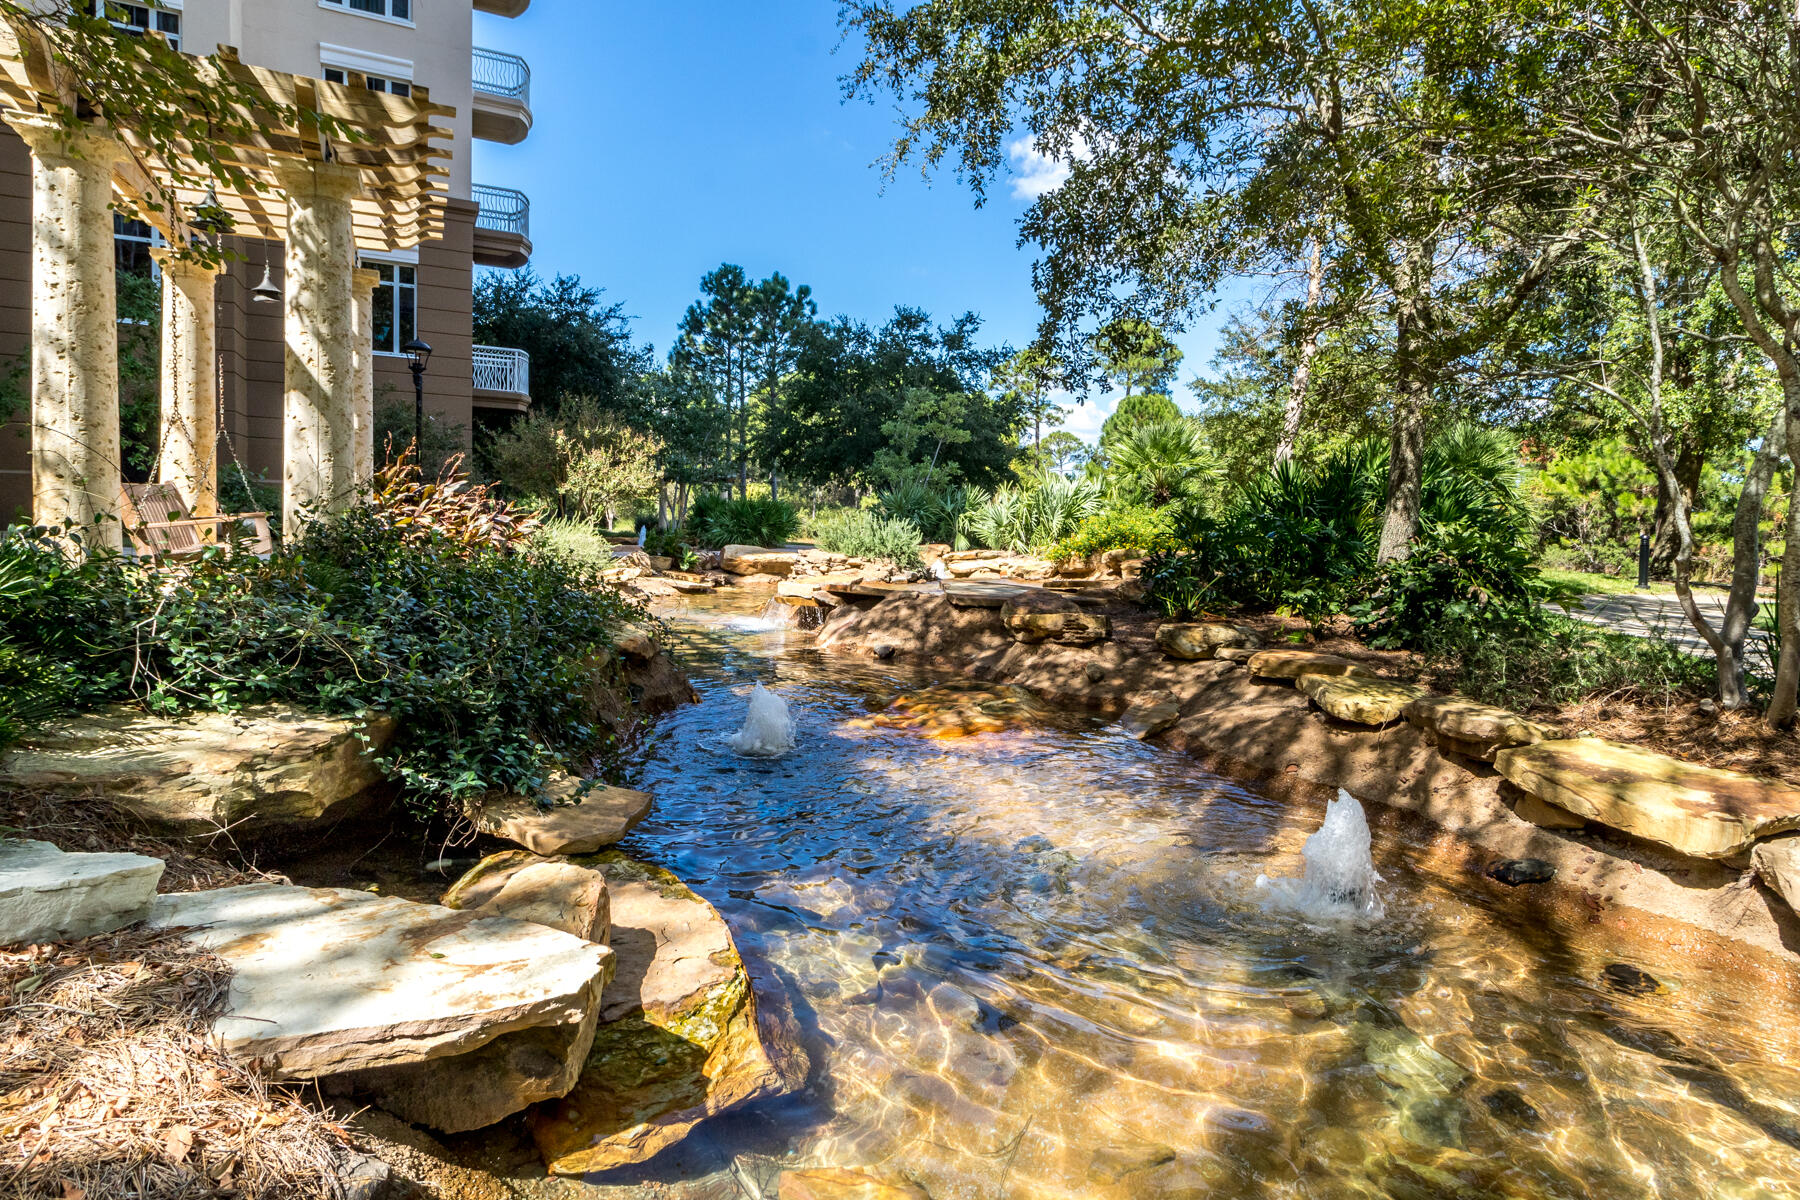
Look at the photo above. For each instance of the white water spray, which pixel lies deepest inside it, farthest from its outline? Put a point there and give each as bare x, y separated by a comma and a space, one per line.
1339, 881
768, 730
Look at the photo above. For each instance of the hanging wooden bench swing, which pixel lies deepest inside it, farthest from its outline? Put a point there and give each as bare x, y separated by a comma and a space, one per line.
157, 523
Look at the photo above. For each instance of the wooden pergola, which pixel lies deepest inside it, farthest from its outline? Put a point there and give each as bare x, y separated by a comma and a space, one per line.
375, 182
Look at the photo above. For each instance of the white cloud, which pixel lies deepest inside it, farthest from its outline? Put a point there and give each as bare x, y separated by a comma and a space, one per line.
1036, 173
1085, 420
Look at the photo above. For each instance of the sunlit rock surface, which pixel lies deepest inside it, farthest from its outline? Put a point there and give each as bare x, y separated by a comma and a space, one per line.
257, 771
1291, 664
46, 895
525, 887
1364, 700
1470, 728
678, 1040
580, 816
1702, 811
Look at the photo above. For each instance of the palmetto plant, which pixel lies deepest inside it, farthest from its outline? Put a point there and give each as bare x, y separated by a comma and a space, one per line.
1020, 520
1161, 462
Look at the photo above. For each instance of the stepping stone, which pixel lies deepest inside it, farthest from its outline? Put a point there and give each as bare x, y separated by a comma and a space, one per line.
49, 896
758, 560
1043, 616
1701, 811
678, 1039
1150, 716
1472, 729
1291, 664
582, 817
985, 593
520, 885
1364, 700
1200, 640
259, 771
327, 980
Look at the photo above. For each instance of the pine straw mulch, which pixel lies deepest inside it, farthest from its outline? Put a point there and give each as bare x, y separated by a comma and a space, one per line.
109, 1088
82, 824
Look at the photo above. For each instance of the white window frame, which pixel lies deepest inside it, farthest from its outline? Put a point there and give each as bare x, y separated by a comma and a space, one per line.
395, 260
374, 83
386, 15
172, 6
155, 239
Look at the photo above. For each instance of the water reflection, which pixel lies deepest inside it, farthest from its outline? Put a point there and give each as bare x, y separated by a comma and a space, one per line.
1031, 964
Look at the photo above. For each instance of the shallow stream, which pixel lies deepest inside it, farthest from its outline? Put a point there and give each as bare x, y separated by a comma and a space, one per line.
1032, 962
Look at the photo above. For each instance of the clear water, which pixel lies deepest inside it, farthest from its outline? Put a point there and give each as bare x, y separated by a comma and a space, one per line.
1033, 962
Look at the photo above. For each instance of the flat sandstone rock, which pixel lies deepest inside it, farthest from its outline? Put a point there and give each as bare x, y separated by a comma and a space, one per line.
1701, 811
758, 560
520, 885
259, 770
1200, 640
1473, 729
327, 980
602, 816
49, 896
678, 1039
1777, 864
1150, 715
1292, 664
1365, 701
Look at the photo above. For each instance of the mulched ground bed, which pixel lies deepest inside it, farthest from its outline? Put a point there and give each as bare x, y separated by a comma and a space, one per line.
80, 825
109, 1088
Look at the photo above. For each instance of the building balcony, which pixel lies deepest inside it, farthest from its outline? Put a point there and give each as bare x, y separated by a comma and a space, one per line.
502, 227
502, 8
502, 97
502, 378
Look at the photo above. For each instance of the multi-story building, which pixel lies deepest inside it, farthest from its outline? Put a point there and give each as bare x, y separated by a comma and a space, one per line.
386, 45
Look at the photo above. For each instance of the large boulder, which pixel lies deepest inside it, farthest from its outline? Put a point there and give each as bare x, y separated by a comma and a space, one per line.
1700, 811
1472, 729
1777, 864
1292, 664
328, 980
985, 593
543, 891
258, 771
49, 896
758, 560
1150, 715
678, 1039
1038, 615
1363, 700
577, 816
1201, 640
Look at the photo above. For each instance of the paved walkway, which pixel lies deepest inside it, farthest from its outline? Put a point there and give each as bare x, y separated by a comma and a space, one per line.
1643, 614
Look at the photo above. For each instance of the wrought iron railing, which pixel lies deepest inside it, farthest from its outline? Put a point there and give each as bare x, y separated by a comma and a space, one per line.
500, 369
503, 210
500, 74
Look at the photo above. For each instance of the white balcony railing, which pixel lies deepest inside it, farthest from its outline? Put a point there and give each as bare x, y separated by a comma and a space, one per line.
503, 210
500, 369
497, 73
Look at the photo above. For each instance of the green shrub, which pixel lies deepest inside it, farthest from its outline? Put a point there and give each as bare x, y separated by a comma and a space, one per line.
483, 656
1021, 520
1559, 661
717, 522
860, 534
1134, 528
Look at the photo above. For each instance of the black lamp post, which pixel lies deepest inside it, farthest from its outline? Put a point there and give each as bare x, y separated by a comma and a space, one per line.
421, 355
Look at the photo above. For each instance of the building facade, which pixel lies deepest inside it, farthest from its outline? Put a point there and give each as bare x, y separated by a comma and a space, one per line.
384, 45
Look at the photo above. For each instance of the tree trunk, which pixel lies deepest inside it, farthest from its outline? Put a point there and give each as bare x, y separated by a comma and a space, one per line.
774, 484
1406, 445
1746, 561
662, 507
1308, 350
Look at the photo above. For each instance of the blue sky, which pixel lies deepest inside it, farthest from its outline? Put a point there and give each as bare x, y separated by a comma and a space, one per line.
672, 137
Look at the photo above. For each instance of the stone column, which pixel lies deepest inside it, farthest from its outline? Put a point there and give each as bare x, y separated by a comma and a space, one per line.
75, 472
189, 456
319, 369
364, 281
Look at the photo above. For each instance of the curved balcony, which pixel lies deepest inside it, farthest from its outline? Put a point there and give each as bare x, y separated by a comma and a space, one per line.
502, 8
502, 227
502, 109
502, 378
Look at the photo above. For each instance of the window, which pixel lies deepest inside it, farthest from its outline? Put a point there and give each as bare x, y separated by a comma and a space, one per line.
131, 245
375, 83
396, 305
399, 10
138, 18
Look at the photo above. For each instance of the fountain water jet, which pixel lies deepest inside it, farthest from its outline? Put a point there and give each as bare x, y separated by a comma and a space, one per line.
1339, 879
768, 730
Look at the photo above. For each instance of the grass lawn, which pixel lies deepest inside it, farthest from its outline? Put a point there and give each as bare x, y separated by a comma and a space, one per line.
1607, 585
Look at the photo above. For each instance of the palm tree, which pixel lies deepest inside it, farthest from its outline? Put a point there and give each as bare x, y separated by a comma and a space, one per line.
1161, 462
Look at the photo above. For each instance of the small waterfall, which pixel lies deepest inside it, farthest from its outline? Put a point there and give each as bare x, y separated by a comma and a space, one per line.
768, 730
1339, 880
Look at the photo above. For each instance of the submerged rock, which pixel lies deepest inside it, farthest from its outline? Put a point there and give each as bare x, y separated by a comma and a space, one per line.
960, 711
836, 1183
520, 885
1633, 981
327, 980
582, 816
1515, 872
49, 896
1701, 811
1150, 715
1111, 1164
678, 1040
259, 771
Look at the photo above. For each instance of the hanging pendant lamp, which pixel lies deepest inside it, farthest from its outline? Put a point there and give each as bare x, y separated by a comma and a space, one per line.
266, 291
